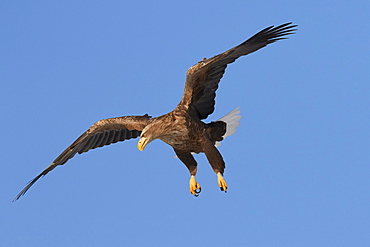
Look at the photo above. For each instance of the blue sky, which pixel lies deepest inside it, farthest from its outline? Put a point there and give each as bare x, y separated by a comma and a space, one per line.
298, 167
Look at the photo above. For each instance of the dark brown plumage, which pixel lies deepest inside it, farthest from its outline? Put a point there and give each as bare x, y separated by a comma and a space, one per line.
181, 128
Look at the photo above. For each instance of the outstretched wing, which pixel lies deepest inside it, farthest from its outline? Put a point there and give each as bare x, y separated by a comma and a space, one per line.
202, 79
103, 132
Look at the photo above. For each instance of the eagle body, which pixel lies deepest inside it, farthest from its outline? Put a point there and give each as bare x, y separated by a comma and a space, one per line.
182, 128
185, 133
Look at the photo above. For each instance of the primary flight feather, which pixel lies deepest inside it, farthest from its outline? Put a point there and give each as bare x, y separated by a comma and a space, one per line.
181, 128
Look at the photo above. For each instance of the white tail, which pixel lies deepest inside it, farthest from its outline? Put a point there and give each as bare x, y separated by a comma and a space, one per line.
232, 122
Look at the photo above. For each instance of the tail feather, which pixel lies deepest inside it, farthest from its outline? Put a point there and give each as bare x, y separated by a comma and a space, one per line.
232, 122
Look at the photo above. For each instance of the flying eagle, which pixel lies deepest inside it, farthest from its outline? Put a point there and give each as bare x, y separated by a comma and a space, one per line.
182, 128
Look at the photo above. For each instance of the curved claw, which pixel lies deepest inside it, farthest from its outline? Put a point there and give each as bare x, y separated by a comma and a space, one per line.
195, 188
221, 182
199, 189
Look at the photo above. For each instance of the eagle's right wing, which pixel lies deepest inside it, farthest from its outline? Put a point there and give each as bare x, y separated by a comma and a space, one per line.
202, 79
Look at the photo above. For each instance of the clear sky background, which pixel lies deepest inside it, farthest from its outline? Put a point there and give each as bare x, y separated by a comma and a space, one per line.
298, 167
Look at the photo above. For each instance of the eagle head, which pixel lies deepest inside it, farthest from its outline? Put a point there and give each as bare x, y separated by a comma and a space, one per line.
143, 142
149, 134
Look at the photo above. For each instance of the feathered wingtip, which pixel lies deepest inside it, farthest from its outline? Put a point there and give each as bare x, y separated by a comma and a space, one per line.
232, 122
33, 181
273, 33
28, 186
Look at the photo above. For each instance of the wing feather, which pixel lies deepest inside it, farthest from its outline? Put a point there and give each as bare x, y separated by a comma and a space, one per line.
202, 79
89, 142
122, 134
103, 138
117, 136
111, 136
102, 133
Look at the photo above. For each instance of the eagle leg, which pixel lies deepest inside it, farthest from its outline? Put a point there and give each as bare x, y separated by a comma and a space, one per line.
221, 182
195, 188
218, 165
189, 161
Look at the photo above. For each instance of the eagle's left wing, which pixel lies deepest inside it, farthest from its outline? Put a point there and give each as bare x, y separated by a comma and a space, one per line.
103, 132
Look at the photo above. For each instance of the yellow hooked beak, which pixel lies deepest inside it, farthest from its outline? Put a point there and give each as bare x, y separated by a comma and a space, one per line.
142, 143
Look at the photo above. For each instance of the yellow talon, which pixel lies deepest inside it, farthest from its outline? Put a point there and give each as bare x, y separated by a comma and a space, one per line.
221, 182
195, 188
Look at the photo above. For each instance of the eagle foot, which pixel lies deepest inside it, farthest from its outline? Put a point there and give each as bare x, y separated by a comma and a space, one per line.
221, 182
195, 188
